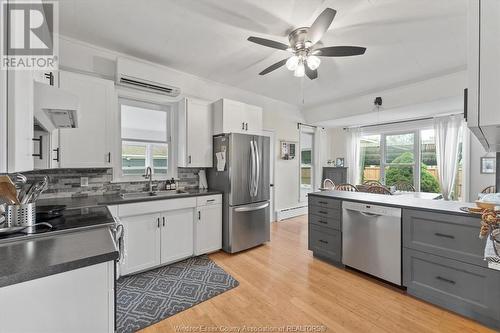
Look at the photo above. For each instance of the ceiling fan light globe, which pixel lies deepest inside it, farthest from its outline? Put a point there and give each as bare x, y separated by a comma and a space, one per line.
292, 63
313, 62
299, 71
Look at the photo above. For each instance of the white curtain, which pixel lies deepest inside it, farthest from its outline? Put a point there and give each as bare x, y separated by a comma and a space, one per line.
353, 155
320, 148
448, 131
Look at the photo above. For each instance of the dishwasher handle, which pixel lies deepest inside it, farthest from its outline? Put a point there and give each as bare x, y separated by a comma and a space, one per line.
363, 213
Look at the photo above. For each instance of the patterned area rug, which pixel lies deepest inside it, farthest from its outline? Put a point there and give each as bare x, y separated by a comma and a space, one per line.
146, 298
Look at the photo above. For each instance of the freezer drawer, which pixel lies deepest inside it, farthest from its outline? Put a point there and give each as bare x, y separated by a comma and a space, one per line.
248, 226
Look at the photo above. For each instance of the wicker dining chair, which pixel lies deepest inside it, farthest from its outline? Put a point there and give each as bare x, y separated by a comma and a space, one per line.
346, 187
372, 183
404, 187
489, 189
379, 190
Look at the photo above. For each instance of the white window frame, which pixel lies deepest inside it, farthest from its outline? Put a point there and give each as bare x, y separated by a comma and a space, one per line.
153, 104
308, 130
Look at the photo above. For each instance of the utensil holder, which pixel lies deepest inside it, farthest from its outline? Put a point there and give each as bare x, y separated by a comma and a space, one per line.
23, 215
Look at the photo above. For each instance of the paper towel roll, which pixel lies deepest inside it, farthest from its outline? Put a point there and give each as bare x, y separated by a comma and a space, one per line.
203, 184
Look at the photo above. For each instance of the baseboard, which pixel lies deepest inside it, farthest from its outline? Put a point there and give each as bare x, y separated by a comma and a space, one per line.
287, 213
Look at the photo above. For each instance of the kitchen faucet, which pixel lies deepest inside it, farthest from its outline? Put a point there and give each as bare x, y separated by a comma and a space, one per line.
149, 176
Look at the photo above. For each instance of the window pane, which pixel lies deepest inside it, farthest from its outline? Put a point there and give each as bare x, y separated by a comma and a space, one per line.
370, 157
398, 174
143, 124
399, 148
133, 158
160, 159
429, 172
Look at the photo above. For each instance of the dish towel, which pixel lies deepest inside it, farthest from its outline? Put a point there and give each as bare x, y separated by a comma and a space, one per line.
492, 249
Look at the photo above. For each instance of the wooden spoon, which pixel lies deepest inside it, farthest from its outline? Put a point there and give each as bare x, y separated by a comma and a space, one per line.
8, 192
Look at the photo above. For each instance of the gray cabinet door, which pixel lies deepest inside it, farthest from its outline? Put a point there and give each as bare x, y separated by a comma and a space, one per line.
468, 289
446, 235
333, 223
325, 242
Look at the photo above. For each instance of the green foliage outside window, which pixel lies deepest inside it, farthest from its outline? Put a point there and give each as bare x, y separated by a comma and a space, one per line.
396, 174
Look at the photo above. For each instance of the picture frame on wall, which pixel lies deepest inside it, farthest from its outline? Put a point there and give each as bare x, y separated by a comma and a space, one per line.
488, 165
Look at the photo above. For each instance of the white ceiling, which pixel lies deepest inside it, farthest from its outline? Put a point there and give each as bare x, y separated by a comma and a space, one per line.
406, 40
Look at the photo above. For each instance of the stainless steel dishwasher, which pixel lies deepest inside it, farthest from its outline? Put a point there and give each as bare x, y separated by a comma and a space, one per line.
371, 239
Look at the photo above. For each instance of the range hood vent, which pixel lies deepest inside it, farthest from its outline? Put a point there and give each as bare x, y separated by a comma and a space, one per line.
55, 108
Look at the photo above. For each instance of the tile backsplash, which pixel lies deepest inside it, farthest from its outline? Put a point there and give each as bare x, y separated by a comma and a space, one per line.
66, 182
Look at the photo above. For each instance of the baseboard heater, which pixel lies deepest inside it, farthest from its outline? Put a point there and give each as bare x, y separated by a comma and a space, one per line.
287, 213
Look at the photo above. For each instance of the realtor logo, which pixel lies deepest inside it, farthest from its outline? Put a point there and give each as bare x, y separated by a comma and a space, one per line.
29, 39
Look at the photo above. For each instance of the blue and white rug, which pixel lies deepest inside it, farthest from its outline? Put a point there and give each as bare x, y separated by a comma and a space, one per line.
149, 297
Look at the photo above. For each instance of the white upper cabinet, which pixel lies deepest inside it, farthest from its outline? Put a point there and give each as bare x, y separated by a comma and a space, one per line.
236, 117
89, 145
195, 133
483, 114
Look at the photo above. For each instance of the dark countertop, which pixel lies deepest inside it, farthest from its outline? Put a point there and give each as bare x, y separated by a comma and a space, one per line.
408, 200
104, 200
39, 257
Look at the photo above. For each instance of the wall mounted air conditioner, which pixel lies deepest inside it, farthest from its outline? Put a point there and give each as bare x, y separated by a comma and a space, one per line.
138, 75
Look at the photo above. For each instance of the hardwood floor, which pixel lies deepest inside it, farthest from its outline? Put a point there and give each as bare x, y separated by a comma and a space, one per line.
282, 284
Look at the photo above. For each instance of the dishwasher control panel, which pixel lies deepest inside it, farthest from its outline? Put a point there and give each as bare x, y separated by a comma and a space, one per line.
372, 209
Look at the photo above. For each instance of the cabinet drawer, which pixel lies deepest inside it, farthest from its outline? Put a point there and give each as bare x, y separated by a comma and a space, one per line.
470, 290
209, 200
333, 223
325, 212
324, 202
325, 242
450, 236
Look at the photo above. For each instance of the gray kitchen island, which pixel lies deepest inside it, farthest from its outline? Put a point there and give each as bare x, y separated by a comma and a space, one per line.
433, 243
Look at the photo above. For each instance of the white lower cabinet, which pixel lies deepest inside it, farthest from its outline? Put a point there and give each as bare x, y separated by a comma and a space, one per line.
78, 301
176, 235
142, 241
208, 229
161, 232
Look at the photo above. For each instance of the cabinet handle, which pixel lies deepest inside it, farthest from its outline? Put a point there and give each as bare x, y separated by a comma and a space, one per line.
199, 215
189, 159
158, 219
210, 200
109, 157
243, 126
323, 241
323, 212
444, 235
57, 151
40, 147
445, 280
246, 126
322, 222
163, 220
323, 202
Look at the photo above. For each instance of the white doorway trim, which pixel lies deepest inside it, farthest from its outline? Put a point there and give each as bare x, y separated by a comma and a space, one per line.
272, 151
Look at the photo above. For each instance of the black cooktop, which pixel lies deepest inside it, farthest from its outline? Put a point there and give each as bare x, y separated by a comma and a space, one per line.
69, 219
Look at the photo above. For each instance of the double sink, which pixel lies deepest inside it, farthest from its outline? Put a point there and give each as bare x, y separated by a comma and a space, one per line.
139, 195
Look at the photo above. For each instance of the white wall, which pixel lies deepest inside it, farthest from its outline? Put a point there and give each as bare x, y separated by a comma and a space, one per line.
478, 181
280, 116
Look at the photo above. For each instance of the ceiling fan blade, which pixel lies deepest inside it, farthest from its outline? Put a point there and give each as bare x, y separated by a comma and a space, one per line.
273, 67
321, 25
268, 43
311, 74
339, 51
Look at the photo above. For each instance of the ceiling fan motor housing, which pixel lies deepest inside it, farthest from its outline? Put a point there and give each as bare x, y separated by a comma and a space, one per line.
298, 39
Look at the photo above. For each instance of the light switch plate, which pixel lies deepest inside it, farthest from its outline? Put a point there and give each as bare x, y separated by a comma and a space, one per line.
84, 181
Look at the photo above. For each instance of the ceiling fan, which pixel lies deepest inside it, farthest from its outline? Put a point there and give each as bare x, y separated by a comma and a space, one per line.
303, 43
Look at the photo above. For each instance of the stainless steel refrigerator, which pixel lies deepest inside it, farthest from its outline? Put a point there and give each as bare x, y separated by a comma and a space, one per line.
241, 172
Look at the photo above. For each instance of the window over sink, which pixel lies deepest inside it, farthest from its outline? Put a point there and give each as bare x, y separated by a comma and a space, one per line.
145, 139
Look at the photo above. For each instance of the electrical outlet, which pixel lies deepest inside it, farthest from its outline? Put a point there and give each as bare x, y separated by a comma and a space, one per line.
84, 181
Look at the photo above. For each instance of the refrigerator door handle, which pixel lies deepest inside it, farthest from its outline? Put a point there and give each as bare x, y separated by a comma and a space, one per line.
251, 208
257, 164
252, 169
